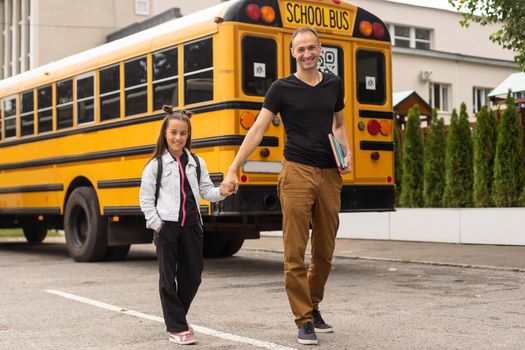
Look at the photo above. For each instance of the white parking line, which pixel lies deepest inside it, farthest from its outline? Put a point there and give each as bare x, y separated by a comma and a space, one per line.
199, 329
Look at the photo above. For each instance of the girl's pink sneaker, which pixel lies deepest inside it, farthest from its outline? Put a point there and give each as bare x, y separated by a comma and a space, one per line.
184, 338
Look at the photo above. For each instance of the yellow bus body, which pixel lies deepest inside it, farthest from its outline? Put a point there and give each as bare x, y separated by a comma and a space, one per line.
40, 171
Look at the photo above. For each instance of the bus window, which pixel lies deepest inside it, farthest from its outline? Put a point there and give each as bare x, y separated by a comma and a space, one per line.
330, 61
85, 99
370, 76
10, 117
259, 65
198, 71
110, 93
165, 78
27, 117
45, 108
64, 102
136, 87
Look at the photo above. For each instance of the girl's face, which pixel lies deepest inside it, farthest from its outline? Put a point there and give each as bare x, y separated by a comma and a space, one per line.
176, 136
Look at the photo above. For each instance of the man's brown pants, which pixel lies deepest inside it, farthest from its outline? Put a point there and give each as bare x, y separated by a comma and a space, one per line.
309, 195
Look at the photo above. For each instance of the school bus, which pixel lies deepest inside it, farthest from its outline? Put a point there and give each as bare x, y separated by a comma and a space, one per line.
76, 133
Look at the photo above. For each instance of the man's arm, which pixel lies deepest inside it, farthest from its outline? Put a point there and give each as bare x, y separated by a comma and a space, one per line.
252, 139
340, 133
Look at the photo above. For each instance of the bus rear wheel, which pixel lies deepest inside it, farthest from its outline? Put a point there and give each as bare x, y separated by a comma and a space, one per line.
34, 230
84, 227
116, 253
216, 245
231, 246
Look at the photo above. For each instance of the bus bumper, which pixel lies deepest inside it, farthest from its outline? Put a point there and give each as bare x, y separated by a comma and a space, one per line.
263, 200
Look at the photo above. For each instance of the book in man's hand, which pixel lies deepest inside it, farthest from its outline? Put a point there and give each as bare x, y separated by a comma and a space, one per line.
337, 151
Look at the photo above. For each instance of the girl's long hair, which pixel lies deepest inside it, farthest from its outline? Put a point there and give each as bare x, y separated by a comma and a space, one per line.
162, 144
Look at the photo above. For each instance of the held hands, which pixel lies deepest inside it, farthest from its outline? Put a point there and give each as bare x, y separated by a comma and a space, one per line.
229, 185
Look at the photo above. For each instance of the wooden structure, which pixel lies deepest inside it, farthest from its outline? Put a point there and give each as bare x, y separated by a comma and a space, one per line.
405, 100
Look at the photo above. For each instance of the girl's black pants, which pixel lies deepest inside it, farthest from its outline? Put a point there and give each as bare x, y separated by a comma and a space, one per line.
179, 252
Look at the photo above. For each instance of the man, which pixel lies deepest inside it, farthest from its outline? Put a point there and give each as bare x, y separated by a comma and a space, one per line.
309, 187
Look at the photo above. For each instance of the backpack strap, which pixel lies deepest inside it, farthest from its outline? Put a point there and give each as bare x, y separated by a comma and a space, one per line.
198, 167
159, 179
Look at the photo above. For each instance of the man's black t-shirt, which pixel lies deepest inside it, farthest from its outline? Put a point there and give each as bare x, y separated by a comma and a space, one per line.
307, 113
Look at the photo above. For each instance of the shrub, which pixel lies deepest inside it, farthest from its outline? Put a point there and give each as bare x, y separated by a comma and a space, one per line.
508, 163
434, 163
484, 142
412, 178
458, 162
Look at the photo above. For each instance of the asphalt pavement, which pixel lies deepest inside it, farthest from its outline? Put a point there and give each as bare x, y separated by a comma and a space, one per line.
448, 254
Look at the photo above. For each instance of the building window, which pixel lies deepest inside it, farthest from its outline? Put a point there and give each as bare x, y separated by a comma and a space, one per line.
198, 71
480, 98
110, 93
64, 102
165, 78
519, 94
142, 7
439, 96
27, 116
410, 37
10, 117
86, 98
45, 109
135, 86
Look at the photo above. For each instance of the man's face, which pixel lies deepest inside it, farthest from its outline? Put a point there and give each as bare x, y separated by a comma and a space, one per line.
306, 50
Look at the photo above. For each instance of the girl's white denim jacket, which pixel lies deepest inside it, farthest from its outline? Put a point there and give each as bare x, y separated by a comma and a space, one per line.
168, 203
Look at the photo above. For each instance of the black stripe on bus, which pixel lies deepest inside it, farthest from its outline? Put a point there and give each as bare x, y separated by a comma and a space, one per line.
129, 210
216, 178
376, 146
30, 211
119, 183
32, 188
376, 114
230, 140
126, 122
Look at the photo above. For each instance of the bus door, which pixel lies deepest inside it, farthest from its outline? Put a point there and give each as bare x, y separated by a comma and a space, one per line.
373, 129
335, 59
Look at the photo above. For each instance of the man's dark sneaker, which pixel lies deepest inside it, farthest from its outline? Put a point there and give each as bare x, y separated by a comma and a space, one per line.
306, 334
320, 325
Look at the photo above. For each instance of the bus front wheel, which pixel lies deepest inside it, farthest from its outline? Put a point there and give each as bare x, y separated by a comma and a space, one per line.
84, 227
34, 230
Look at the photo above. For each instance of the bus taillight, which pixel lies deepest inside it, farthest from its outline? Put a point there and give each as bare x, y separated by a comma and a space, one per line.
365, 28
268, 14
378, 30
385, 127
253, 12
373, 127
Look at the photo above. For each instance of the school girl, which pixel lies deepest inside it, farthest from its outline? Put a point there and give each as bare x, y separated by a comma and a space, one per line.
172, 211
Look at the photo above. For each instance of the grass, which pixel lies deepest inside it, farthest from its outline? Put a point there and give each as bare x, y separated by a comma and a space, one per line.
17, 232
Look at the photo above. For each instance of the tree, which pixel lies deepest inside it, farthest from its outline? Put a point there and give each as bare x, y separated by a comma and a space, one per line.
412, 180
484, 141
434, 164
458, 162
508, 164
510, 13
398, 158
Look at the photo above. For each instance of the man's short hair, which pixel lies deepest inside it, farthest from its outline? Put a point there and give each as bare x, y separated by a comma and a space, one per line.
306, 29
